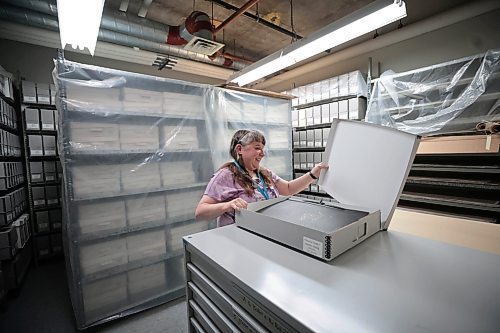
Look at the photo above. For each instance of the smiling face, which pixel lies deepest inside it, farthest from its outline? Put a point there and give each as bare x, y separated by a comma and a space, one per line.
251, 154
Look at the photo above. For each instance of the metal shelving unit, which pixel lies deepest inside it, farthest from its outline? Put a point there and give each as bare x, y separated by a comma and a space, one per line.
46, 244
313, 110
15, 244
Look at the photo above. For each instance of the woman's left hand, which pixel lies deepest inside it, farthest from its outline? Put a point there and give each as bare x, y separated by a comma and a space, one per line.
317, 169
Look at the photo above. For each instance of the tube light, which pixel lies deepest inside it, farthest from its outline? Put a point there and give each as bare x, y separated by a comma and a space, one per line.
375, 15
79, 22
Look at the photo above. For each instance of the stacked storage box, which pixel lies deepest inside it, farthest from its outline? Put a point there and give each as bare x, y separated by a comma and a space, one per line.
137, 158
15, 231
314, 107
40, 122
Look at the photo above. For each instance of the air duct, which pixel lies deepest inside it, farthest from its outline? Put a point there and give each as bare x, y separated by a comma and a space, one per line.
122, 29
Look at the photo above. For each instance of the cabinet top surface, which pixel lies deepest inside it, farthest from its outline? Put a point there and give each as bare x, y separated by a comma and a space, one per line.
391, 282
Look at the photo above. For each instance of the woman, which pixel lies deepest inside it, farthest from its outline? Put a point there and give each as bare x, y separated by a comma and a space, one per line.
243, 180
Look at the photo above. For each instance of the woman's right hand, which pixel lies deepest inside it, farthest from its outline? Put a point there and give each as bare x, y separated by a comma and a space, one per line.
236, 205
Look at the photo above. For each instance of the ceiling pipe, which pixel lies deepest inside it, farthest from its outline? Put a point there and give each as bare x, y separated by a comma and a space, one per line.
47, 38
236, 14
258, 19
455, 15
120, 28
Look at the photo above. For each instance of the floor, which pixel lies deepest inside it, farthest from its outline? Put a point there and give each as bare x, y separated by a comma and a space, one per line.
43, 305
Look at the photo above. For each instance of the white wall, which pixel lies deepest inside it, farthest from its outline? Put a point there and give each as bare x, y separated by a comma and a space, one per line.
35, 63
459, 40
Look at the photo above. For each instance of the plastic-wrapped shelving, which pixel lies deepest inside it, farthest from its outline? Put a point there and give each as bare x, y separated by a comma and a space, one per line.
137, 152
451, 97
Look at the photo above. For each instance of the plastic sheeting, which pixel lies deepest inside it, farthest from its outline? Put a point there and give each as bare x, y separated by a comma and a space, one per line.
137, 153
447, 98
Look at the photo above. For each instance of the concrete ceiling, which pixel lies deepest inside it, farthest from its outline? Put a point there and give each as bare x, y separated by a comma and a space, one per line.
246, 38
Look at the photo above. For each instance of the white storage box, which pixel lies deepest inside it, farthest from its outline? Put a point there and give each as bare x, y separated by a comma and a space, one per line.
146, 209
370, 164
253, 112
139, 137
140, 176
278, 164
101, 216
179, 137
90, 98
278, 114
177, 173
233, 110
100, 256
105, 294
29, 92
146, 245
182, 204
95, 180
176, 232
43, 93
147, 281
279, 138
90, 135
142, 101
175, 104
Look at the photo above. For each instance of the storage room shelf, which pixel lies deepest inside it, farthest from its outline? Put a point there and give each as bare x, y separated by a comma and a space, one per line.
130, 266
40, 132
324, 101
46, 207
41, 184
141, 192
42, 158
454, 183
108, 114
311, 127
107, 234
38, 106
103, 153
470, 203
47, 233
456, 168
258, 123
308, 149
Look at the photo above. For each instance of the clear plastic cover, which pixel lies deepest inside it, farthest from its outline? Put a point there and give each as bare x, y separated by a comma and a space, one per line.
350, 84
450, 97
137, 153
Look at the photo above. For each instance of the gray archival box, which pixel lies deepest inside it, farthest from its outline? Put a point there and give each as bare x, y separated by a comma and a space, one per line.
368, 169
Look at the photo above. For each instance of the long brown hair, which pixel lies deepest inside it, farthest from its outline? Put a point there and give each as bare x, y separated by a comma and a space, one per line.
245, 137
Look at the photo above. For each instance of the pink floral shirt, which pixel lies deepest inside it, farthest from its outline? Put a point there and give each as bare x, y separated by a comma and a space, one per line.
223, 188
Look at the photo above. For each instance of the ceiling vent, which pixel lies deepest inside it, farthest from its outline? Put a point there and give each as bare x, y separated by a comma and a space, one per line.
203, 46
164, 61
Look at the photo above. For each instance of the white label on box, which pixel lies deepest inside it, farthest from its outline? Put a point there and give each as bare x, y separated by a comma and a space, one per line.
36, 176
52, 201
312, 246
43, 99
50, 152
30, 99
36, 152
32, 126
48, 126
50, 178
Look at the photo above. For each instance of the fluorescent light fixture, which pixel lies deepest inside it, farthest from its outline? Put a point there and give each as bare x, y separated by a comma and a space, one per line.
375, 15
79, 22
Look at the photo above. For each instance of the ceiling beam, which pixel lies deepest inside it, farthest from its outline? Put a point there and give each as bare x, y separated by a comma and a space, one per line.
237, 13
257, 19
